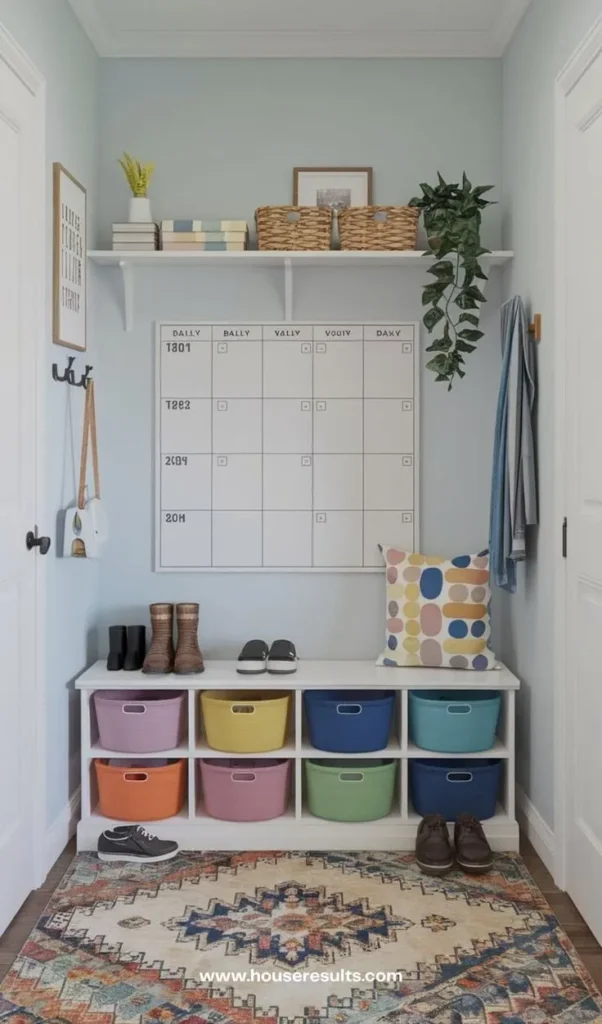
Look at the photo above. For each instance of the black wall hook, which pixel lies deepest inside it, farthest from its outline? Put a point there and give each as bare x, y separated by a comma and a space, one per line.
69, 376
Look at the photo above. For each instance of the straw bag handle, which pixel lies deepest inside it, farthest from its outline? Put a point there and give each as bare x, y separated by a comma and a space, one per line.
89, 433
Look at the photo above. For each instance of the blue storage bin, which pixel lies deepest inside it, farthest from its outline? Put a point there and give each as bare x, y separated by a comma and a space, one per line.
457, 787
461, 722
349, 721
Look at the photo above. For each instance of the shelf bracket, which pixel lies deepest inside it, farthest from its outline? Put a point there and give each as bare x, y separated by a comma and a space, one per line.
127, 273
288, 289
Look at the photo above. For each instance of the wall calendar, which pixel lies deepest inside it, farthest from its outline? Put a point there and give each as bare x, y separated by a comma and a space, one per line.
285, 447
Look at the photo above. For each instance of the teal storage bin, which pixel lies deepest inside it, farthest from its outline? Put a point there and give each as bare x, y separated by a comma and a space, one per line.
461, 722
350, 790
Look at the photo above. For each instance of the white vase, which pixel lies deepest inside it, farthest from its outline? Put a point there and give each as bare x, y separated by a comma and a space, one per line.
140, 210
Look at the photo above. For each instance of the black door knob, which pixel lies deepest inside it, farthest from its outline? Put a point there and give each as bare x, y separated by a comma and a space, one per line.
33, 541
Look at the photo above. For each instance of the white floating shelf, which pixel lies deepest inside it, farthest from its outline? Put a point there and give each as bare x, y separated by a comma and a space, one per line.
288, 261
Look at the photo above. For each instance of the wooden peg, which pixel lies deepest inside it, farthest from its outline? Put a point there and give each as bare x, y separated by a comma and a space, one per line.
535, 327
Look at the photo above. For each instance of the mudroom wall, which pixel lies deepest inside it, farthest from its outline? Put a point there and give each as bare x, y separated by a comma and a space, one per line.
544, 42
225, 135
49, 33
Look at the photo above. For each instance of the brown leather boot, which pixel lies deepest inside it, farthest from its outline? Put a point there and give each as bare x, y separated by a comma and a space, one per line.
473, 852
189, 658
160, 657
434, 854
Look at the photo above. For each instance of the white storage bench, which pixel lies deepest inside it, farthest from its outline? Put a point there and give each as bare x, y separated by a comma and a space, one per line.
298, 829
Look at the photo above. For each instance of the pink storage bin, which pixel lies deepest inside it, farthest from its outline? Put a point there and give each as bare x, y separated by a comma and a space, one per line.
245, 790
139, 721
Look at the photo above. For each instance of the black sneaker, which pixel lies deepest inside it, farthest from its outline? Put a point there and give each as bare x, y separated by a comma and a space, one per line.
253, 658
134, 843
282, 657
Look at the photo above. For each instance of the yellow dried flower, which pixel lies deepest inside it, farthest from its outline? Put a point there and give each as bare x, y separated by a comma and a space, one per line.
138, 176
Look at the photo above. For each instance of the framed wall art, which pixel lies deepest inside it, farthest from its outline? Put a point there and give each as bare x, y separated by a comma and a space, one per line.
69, 266
337, 187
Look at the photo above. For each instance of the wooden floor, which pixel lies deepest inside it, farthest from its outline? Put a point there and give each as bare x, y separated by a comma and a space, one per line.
23, 924
566, 912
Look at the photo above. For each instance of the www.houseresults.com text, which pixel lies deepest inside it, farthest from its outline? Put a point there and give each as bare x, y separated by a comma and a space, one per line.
299, 977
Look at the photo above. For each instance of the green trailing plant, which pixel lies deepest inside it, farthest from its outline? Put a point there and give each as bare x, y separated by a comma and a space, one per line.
452, 218
138, 176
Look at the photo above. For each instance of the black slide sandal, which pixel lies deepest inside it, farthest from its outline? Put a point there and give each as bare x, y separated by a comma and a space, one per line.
282, 658
253, 658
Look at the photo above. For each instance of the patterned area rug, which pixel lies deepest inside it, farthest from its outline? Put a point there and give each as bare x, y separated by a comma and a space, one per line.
307, 938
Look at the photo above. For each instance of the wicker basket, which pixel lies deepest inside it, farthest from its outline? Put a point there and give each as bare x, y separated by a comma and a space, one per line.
293, 227
378, 227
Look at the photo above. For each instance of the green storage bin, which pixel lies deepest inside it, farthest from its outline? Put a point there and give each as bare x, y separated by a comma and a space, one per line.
350, 790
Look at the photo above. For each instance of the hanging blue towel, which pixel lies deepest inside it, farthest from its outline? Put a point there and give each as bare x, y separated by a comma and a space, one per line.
514, 484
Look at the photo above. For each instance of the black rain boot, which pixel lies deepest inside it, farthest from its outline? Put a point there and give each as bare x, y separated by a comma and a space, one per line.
136, 648
117, 648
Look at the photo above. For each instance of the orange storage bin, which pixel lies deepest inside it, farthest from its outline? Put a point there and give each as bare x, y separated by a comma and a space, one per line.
141, 793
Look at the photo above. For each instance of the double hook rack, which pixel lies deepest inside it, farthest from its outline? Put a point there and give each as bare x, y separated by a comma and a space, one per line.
69, 375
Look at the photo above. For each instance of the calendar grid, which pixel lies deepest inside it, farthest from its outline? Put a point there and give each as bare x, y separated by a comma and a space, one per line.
250, 506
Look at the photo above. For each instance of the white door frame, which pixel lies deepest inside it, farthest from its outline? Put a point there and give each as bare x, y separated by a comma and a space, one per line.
18, 61
568, 78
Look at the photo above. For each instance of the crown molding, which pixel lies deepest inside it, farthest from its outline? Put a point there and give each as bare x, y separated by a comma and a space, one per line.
299, 44
294, 44
509, 18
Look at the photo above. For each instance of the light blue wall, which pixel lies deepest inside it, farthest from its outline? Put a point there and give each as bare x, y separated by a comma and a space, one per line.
551, 30
226, 135
50, 35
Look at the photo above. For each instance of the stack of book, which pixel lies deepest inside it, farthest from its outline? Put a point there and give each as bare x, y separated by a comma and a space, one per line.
205, 235
135, 237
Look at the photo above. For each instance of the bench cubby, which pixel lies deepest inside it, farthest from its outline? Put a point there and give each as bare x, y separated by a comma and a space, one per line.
193, 829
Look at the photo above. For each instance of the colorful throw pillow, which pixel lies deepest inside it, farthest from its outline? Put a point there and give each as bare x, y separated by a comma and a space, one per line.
437, 611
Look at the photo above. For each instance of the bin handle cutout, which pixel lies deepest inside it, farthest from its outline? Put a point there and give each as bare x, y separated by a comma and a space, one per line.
459, 709
459, 776
351, 777
349, 709
135, 777
243, 709
134, 709
243, 777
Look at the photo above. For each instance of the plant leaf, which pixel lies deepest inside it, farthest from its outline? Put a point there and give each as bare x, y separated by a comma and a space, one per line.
433, 292
432, 318
469, 318
475, 293
443, 268
440, 345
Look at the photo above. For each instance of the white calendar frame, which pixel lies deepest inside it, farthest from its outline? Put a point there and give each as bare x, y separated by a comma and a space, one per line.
158, 455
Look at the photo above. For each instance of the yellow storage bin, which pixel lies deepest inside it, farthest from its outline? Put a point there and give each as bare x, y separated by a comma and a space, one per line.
247, 722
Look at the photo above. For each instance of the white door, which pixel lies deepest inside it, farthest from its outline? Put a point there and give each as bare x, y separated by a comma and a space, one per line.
583, 339
20, 148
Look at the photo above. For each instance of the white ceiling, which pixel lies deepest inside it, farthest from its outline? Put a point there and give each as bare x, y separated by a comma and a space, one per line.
300, 28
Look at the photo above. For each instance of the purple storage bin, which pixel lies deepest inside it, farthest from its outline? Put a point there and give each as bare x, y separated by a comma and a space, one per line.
245, 790
139, 721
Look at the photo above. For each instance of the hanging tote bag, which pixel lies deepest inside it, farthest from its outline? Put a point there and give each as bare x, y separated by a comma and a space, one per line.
86, 524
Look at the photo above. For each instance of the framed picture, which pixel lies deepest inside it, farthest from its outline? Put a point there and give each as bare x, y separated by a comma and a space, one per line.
69, 298
337, 187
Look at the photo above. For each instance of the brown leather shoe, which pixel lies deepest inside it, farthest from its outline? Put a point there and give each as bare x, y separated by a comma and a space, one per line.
189, 658
473, 852
434, 854
160, 657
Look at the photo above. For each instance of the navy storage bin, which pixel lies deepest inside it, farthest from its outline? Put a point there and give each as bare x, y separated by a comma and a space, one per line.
457, 787
349, 721
461, 722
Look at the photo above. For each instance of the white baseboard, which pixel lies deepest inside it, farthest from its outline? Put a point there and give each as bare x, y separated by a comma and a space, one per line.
59, 833
536, 829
